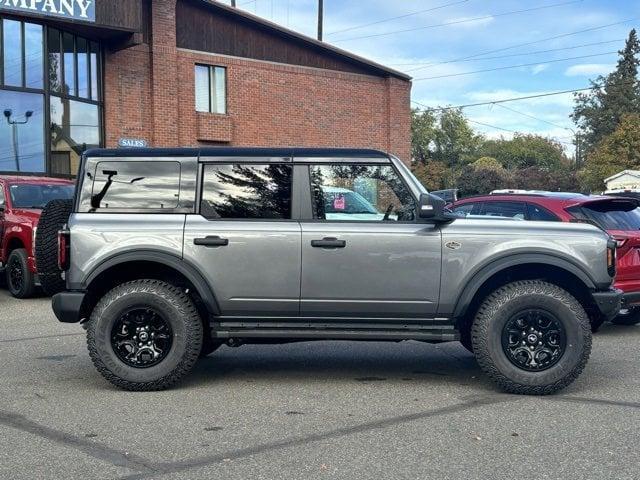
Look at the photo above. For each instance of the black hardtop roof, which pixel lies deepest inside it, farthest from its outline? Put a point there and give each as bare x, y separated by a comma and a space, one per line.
236, 152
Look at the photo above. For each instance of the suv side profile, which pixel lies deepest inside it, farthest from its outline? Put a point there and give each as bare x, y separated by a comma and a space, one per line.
21, 201
169, 254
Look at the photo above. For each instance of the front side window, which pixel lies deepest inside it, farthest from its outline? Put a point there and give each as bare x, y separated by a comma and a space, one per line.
37, 196
136, 185
517, 210
211, 89
247, 191
464, 210
360, 193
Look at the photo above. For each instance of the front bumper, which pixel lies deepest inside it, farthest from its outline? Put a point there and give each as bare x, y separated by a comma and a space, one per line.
67, 306
609, 302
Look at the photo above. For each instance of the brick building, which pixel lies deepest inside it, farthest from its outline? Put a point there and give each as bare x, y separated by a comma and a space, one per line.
77, 74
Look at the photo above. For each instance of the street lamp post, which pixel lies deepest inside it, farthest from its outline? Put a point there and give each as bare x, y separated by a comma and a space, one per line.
14, 127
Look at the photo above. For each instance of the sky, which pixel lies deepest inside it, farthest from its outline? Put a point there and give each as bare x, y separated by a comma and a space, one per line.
439, 33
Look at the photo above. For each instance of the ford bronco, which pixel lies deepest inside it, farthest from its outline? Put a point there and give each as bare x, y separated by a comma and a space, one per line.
168, 254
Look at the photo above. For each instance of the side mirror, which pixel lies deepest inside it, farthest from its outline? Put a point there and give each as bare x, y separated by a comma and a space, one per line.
432, 207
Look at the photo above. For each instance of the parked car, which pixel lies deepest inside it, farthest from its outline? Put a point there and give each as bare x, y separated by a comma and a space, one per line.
624, 192
168, 254
619, 216
21, 201
449, 195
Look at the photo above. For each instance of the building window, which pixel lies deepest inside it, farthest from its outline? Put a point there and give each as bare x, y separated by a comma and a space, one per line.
50, 98
211, 89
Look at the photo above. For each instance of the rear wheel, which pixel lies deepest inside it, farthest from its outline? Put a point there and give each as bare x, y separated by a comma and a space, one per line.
144, 335
54, 216
20, 280
531, 337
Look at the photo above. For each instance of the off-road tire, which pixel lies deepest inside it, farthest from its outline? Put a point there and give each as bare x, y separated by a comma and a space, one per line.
631, 318
508, 300
179, 312
26, 289
54, 216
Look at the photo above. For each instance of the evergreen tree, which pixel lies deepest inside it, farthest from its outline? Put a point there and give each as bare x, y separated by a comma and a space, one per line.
599, 112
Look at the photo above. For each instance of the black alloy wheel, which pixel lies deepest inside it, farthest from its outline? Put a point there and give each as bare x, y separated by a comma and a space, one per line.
141, 337
15, 275
534, 340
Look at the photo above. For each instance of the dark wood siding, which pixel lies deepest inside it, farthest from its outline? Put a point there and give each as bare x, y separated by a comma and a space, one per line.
123, 14
207, 28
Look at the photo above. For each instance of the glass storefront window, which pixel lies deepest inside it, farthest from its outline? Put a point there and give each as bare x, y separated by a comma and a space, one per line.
69, 65
22, 132
75, 127
12, 53
55, 60
33, 55
59, 85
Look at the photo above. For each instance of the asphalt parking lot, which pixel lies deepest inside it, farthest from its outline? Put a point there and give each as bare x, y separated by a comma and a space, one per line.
308, 410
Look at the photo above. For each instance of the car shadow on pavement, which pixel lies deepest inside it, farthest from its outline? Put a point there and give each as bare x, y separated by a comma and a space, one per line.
359, 362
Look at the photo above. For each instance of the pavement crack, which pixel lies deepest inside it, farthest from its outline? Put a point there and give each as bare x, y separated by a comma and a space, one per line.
203, 461
88, 447
25, 339
596, 401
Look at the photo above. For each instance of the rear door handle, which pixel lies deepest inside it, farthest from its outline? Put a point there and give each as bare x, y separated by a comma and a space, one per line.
213, 241
328, 242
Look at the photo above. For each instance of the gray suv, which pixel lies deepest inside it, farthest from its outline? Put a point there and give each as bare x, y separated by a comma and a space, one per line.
168, 254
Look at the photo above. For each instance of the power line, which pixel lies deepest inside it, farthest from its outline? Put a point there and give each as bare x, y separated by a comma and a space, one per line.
526, 44
531, 116
457, 22
513, 66
521, 54
398, 17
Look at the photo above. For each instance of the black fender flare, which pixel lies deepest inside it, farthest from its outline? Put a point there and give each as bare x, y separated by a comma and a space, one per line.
496, 265
190, 271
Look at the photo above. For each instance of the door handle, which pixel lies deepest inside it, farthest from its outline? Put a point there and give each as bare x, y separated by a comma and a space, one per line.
213, 241
328, 242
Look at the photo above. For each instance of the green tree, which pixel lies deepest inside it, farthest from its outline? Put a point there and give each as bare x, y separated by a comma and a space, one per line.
455, 142
616, 152
598, 112
488, 162
526, 150
423, 128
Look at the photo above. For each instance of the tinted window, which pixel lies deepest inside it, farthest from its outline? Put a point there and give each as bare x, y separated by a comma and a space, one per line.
247, 191
505, 209
611, 217
37, 196
537, 213
360, 193
464, 210
136, 185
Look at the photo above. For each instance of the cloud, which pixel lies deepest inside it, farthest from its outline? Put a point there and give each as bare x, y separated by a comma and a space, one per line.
588, 69
539, 68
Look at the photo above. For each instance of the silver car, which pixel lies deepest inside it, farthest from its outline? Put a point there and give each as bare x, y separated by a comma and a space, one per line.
169, 254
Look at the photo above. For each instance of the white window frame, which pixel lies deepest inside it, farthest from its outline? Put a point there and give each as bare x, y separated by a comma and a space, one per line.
212, 78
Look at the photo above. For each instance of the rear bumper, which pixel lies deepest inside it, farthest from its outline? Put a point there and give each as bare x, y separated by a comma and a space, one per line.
67, 306
631, 299
609, 302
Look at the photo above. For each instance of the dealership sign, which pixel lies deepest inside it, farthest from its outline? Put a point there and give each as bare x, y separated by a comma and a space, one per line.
73, 9
132, 143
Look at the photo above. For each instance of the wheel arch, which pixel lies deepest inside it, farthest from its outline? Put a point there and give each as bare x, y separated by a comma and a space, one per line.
524, 267
150, 264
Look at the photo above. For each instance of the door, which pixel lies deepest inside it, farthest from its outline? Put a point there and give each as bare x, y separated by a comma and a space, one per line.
363, 253
244, 239
3, 207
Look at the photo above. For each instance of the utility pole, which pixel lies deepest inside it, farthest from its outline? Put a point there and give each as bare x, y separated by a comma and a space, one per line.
14, 127
233, 3
320, 18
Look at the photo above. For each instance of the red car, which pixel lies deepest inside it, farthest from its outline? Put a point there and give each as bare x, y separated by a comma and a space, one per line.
619, 216
21, 202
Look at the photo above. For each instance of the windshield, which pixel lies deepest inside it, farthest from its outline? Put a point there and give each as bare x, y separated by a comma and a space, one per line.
37, 196
615, 218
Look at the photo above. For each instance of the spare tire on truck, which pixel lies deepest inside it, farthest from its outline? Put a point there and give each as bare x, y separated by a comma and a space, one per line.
54, 216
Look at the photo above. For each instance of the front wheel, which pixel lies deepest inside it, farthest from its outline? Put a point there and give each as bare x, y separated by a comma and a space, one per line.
20, 280
144, 335
531, 337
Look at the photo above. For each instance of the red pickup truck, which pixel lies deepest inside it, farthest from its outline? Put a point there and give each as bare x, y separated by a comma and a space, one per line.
22, 199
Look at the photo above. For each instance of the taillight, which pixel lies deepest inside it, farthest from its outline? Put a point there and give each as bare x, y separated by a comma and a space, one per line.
611, 257
63, 250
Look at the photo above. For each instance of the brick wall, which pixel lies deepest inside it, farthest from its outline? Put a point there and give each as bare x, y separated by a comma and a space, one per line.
149, 93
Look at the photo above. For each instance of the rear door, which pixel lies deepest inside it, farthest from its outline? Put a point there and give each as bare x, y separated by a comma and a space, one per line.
363, 253
244, 237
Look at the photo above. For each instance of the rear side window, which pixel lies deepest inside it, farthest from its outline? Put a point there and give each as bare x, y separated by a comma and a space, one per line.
540, 214
505, 209
247, 191
136, 185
